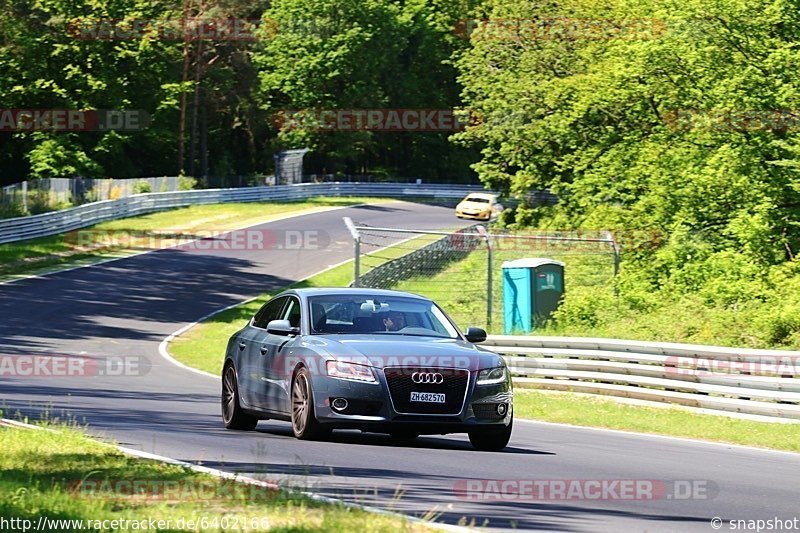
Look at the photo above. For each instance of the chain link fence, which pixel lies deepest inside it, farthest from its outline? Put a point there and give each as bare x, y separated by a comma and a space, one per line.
462, 269
48, 194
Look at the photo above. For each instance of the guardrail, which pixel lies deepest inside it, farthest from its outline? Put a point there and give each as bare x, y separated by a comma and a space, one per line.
46, 224
753, 382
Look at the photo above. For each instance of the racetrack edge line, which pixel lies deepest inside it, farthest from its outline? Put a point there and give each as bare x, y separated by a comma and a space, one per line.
253, 481
163, 347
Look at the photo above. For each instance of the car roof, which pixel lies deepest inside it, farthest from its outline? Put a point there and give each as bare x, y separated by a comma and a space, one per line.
332, 291
487, 195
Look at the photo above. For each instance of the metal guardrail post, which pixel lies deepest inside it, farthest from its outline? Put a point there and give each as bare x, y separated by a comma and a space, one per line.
489, 269
615, 249
357, 249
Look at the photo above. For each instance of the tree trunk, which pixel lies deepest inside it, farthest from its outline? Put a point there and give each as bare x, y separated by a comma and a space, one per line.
204, 138
196, 108
184, 79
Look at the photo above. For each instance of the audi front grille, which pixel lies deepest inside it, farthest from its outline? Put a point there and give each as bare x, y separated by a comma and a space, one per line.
453, 384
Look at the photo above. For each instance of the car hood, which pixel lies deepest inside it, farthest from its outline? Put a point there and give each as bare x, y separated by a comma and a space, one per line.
383, 351
474, 205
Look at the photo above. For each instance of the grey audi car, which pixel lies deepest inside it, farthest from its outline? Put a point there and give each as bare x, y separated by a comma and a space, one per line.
375, 360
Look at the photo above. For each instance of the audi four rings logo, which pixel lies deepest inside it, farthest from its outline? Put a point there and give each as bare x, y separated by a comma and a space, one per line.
434, 378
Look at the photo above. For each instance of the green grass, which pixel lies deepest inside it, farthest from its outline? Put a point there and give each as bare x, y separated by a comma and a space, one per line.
581, 410
460, 286
36, 256
41, 474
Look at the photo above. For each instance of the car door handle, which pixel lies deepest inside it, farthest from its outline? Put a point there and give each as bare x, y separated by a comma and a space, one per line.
264, 350
242, 346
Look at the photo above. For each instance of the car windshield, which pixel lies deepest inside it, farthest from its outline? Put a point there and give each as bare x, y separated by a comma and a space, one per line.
371, 314
477, 199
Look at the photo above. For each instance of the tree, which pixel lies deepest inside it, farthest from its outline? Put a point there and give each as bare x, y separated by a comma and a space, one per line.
627, 129
352, 55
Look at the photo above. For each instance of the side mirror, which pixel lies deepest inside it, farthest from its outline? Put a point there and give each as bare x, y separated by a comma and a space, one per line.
281, 327
474, 334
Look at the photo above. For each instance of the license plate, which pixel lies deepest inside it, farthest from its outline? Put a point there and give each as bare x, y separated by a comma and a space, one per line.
427, 397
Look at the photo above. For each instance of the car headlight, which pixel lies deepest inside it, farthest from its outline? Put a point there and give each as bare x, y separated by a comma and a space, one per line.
351, 371
492, 376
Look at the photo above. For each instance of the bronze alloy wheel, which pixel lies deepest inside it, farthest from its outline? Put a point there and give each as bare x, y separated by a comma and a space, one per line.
233, 416
300, 404
304, 422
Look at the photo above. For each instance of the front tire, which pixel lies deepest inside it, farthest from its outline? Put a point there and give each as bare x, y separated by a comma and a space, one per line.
304, 422
491, 439
232, 414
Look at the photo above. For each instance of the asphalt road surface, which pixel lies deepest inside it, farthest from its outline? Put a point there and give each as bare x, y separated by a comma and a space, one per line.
125, 309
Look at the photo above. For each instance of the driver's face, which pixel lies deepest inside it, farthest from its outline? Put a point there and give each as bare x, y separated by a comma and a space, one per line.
394, 322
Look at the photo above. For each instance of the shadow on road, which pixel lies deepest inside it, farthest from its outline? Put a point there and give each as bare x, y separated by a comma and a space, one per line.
378, 439
138, 299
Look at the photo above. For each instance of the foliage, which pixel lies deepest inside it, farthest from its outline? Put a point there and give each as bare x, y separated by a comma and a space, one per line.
142, 187
675, 134
211, 101
364, 54
186, 183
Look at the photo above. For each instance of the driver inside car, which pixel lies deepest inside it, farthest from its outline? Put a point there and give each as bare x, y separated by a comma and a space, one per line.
394, 322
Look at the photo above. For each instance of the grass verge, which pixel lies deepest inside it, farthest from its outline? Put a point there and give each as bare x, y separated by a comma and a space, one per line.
64, 475
109, 240
580, 410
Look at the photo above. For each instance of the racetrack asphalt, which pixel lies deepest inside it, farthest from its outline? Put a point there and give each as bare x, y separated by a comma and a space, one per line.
127, 307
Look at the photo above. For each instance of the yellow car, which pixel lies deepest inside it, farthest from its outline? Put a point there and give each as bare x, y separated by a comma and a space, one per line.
479, 206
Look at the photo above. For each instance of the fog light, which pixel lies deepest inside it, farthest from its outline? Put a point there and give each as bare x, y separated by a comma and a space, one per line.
339, 404
501, 409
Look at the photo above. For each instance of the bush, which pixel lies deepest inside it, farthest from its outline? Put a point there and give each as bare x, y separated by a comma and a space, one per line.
186, 183
585, 307
141, 187
39, 202
11, 210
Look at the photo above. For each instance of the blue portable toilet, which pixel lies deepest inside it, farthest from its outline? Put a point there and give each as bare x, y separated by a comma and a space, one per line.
532, 291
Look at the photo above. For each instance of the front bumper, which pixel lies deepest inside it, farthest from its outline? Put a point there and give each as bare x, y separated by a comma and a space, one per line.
482, 215
373, 409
